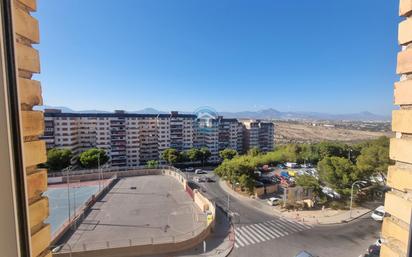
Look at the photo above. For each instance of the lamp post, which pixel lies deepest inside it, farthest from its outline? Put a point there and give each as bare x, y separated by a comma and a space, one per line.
73, 161
351, 197
99, 171
349, 154
68, 188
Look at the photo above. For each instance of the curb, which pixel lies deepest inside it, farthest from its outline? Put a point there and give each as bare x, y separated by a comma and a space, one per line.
279, 214
345, 221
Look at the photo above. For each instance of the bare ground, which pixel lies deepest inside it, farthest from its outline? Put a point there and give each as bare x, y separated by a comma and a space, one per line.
306, 133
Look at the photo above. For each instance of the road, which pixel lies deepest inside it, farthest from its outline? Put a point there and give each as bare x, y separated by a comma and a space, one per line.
259, 234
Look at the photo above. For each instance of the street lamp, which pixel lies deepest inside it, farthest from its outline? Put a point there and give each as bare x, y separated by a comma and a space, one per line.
351, 196
73, 161
349, 156
67, 170
98, 168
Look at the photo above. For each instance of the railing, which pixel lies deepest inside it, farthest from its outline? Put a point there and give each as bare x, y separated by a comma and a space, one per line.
78, 214
127, 242
111, 169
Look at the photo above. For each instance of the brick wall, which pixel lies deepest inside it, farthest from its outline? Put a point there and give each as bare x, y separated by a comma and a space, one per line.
26, 30
398, 202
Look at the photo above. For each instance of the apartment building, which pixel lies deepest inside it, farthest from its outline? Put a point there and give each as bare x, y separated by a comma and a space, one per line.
129, 139
230, 134
207, 135
133, 139
258, 134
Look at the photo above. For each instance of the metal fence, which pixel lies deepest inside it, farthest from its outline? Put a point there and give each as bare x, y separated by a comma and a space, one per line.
113, 169
127, 242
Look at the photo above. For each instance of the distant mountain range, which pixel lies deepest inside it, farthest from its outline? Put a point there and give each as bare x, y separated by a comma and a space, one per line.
262, 114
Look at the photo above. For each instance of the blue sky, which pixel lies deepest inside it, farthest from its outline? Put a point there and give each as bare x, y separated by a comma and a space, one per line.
233, 55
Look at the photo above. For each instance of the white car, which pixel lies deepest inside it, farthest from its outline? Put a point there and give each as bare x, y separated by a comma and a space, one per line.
199, 171
378, 213
273, 201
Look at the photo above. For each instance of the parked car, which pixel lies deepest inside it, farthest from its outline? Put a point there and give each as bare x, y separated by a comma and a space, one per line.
190, 169
284, 174
374, 251
275, 180
307, 165
273, 201
199, 171
259, 184
199, 179
265, 180
292, 173
292, 165
378, 213
281, 166
207, 179
286, 182
330, 193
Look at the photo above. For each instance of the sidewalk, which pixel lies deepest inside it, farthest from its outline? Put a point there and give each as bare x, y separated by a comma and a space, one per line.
316, 217
219, 244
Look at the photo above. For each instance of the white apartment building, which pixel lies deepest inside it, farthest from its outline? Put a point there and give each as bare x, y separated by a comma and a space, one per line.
133, 139
129, 139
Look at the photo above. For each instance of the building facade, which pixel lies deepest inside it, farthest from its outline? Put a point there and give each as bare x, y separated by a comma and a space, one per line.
129, 139
133, 139
396, 227
258, 134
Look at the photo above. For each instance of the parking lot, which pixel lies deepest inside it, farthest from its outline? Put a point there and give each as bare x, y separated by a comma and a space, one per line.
139, 210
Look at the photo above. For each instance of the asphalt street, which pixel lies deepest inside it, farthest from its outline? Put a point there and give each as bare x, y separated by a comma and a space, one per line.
258, 234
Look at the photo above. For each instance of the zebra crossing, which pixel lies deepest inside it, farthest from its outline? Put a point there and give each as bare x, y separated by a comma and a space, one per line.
265, 231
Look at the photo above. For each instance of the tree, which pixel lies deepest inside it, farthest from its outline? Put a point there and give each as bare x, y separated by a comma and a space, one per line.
247, 182
254, 151
329, 149
170, 155
338, 173
58, 159
228, 154
194, 154
93, 157
309, 182
205, 154
373, 159
152, 164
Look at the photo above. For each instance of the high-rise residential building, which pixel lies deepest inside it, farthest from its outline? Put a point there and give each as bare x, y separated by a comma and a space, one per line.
230, 134
129, 139
207, 135
133, 139
258, 134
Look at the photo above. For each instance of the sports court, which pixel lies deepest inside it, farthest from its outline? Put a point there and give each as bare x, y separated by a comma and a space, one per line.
139, 210
76, 193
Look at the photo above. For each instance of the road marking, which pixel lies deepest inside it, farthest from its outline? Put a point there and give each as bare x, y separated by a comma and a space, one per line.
255, 233
292, 223
286, 227
250, 236
264, 229
277, 229
259, 231
241, 237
